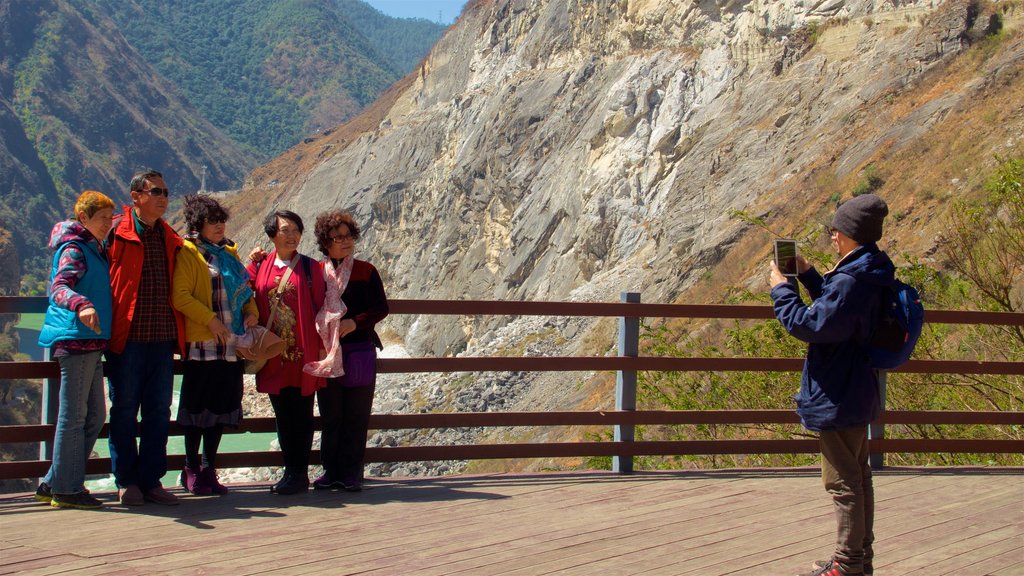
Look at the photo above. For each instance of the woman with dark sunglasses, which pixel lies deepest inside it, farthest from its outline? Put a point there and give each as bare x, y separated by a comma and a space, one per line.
211, 289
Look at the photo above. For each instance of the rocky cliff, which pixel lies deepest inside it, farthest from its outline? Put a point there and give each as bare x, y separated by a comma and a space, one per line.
575, 149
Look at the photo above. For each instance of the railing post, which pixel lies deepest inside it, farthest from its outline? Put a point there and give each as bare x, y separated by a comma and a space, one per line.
877, 429
50, 407
625, 381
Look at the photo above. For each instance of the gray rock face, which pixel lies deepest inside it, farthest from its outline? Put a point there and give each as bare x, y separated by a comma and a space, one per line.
546, 142
575, 149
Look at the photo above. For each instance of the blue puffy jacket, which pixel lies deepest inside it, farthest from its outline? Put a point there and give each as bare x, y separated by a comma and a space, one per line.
839, 388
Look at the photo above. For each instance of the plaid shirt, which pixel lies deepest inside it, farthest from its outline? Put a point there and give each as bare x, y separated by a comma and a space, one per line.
153, 320
211, 349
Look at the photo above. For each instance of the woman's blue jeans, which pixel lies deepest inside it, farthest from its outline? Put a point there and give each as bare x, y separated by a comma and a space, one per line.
141, 382
79, 419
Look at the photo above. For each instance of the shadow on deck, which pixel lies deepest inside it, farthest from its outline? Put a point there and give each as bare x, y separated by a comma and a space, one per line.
961, 521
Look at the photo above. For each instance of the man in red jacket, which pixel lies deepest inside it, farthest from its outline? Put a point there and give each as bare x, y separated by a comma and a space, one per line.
144, 335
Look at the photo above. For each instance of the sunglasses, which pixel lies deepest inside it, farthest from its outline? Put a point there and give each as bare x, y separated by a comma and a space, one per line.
157, 192
217, 220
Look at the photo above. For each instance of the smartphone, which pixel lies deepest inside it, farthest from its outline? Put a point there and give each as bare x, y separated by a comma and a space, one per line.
785, 257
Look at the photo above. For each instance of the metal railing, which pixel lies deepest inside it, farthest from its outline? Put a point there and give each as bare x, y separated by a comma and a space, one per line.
623, 419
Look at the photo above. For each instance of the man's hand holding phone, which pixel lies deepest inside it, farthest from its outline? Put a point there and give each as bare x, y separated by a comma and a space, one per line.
785, 257
787, 263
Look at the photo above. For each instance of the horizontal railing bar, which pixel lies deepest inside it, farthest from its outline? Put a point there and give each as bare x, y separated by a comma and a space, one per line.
946, 445
595, 309
586, 364
23, 304
36, 468
43, 432
50, 369
37, 304
673, 448
650, 363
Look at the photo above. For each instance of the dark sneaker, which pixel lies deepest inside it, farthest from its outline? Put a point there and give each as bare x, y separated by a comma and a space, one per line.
208, 477
43, 493
869, 570
831, 568
159, 495
325, 482
81, 500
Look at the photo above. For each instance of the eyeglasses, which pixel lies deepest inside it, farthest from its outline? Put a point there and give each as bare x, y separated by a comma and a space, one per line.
341, 238
217, 220
829, 230
157, 192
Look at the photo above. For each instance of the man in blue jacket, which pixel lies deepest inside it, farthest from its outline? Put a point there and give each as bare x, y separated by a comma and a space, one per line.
839, 393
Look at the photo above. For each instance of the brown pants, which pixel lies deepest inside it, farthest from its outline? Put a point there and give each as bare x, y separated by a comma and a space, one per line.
847, 477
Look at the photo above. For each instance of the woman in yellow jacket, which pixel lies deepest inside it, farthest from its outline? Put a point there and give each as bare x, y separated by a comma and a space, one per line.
211, 289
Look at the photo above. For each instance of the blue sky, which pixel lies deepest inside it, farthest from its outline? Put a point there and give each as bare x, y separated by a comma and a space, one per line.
428, 9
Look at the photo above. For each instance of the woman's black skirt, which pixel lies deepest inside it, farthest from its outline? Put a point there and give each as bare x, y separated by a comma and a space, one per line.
211, 393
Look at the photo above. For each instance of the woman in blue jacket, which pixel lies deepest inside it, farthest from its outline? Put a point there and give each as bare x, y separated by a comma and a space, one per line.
839, 393
76, 328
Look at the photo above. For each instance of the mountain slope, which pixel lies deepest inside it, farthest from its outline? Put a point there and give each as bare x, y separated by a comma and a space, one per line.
549, 146
572, 150
268, 72
402, 42
80, 109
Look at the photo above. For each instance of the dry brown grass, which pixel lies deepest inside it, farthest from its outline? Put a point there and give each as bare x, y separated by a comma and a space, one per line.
951, 161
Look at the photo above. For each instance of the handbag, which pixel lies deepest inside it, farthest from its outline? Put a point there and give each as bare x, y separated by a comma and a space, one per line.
266, 344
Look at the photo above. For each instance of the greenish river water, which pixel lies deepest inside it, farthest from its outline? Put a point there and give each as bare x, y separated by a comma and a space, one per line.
28, 329
246, 442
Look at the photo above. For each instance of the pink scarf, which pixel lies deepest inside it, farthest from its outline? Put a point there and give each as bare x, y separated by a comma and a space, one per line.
328, 320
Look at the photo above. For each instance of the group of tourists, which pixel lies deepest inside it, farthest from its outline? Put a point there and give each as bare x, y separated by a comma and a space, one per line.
131, 288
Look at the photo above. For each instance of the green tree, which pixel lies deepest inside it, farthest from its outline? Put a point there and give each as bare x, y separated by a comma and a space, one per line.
983, 251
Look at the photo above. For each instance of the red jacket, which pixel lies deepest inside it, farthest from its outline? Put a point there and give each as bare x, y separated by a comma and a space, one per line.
275, 374
126, 254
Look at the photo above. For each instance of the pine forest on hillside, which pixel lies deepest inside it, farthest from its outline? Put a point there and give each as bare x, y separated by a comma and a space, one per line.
93, 90
271, 72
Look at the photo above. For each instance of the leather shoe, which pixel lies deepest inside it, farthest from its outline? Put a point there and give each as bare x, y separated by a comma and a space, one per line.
325, 482
159, 495
352, 485
290, 484
132, 496
284, 480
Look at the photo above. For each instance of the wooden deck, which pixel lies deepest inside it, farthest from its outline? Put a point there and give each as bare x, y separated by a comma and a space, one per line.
946, 521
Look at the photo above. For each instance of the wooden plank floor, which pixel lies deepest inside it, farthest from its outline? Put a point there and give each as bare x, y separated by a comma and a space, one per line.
756, 522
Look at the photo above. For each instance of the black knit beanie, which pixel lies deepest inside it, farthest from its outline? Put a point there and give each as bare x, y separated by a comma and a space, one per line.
860, 218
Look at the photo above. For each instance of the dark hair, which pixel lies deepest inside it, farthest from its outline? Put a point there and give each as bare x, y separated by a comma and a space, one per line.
140, 177
270, 222
200, 209
329, 221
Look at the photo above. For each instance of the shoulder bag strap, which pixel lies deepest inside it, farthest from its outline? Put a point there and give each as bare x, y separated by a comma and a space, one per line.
280, 285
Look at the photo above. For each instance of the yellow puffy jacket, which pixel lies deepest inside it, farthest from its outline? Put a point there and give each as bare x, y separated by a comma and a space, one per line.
192, 292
